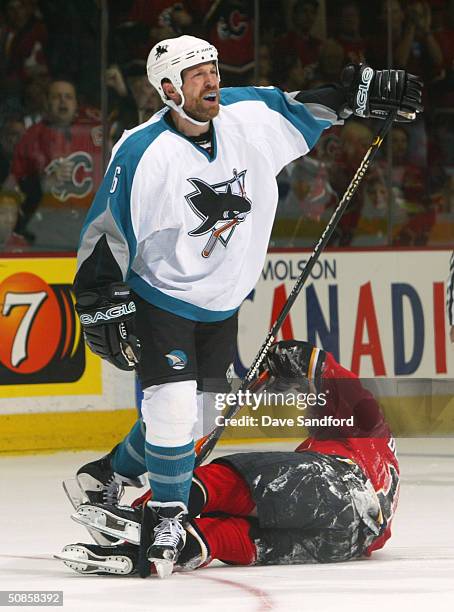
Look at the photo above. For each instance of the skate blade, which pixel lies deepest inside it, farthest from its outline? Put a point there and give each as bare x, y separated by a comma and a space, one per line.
74, 493
164, 568
83, 561
105, 522
77, 498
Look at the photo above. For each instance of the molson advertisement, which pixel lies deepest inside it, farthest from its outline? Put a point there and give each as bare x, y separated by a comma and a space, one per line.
381, 313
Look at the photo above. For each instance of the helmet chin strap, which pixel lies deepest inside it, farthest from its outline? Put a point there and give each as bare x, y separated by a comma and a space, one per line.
180, 111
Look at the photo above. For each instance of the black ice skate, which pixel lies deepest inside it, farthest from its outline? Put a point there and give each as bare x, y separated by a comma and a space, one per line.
96, 482
169, 535
115, 522
100, 484
101, 560
124, 522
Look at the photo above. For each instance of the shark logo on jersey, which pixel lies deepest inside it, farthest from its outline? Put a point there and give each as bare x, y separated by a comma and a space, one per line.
177, 359
222, 207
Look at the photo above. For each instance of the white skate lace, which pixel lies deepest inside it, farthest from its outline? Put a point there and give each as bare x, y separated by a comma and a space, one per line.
113, 491
168, 532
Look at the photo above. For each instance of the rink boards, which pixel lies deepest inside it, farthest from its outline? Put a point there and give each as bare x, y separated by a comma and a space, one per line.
381, 313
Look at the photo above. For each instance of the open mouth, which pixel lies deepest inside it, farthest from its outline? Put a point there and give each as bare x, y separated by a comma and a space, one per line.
211, 97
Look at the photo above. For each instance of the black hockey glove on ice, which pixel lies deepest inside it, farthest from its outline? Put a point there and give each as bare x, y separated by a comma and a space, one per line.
107, 319
374, 93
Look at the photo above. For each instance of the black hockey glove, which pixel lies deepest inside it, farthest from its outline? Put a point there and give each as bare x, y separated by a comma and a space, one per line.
107, 319
374, 93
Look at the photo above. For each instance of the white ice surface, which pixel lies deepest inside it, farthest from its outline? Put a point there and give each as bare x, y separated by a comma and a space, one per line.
415, 571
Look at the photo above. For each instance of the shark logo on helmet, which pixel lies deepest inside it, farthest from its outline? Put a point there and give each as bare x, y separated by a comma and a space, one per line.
160, 50
221, 207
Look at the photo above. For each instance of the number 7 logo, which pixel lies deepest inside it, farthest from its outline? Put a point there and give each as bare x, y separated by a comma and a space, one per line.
33, 301
40, 335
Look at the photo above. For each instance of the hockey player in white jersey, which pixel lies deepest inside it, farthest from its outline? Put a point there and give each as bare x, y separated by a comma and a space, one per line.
177, 236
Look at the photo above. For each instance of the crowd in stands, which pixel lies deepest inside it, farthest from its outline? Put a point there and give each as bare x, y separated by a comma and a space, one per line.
51, 129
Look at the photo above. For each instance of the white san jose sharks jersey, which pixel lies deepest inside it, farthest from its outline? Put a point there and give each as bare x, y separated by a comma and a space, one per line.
188, 231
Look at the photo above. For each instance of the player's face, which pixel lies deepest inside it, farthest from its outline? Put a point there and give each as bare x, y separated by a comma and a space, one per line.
62, 103
201, 92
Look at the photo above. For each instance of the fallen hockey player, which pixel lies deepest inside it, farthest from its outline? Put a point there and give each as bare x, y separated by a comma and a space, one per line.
330, 500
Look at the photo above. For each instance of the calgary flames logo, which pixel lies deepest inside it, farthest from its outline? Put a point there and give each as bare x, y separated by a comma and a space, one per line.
41, 337
71, 176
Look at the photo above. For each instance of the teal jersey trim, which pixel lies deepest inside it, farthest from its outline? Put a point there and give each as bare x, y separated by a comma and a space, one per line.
174, 305
115, 189
295, 112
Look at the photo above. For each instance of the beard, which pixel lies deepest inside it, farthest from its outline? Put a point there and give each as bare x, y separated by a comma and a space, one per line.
201, 111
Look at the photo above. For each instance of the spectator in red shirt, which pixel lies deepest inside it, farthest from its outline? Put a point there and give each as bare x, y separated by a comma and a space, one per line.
299, 42
22, 44
165, 18
415, 47
412, 206
230, 25
331, 60
355, 139
57, 165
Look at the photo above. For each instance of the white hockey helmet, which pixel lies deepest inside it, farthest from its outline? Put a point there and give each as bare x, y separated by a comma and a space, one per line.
170, 57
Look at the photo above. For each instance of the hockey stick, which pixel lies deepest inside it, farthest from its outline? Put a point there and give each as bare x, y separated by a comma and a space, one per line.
206, 444
215, 235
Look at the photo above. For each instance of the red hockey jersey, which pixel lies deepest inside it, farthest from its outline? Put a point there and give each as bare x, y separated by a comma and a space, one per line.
43, 147
369, 443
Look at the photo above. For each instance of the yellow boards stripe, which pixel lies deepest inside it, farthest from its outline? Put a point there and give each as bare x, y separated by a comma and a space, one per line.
61, 431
